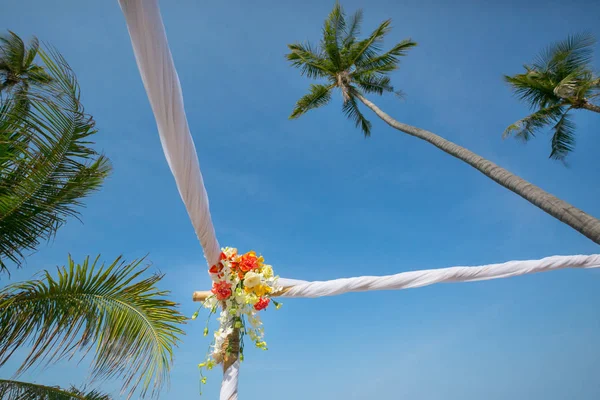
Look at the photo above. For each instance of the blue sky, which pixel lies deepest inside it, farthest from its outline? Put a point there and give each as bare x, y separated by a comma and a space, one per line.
319, 201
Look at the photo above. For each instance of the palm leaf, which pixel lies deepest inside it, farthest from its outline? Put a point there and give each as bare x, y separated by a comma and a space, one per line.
352, 29
563, 139
311, 63
350, 108
16, 390
318, 96
387, 61
45, 182
374, 84
368, 48
533, 87
567, 55
525, 128
333, 30
125, 318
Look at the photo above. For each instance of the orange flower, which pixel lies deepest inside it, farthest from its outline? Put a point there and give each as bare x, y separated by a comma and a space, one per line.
248, 262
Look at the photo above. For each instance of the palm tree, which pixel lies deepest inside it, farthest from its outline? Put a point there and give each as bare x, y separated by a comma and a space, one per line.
357, 67
16, 390
17, 68
46, 169
112, 310
46, 164
560, 80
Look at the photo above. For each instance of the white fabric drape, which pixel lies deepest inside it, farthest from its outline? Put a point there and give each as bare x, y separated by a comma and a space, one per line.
414, 279
155, 63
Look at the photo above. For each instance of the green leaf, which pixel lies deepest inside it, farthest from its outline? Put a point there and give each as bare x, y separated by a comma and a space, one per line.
113, 310
375, 84
43, 183
311, 63
352, 111
318, 96
563, 139
525, 128
16, 390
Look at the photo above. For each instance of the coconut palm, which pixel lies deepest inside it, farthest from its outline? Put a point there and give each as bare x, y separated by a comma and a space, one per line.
46, 164
46, 169
560, 80
110, 309
16, 390
359, 67
18, 70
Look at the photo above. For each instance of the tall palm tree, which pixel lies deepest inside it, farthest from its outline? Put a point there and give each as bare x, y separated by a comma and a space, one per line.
129, 323
16, 390
46, 164
357, 67
560, 80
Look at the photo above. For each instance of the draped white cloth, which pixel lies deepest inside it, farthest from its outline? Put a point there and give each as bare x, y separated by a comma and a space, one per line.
160, 79
155, 63
414, 279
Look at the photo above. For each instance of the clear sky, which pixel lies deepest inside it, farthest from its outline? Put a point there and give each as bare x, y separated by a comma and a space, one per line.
319, 201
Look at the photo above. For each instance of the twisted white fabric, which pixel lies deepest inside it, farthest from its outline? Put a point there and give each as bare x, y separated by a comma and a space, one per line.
155, 63
414, 279
229, 384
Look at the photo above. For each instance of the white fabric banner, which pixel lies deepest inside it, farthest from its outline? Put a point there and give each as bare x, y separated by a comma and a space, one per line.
155, 63
414, 279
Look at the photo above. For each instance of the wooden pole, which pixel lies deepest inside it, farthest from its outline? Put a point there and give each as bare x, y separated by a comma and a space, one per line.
203, 294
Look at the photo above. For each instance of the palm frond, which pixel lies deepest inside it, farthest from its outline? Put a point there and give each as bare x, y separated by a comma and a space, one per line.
567, 55
17, 390
353, 29
318, 96
44, 184
125, 318
534, 88
374, 84
368, 48
311, 63
525, 128
387, 61
12, 51
333, 30
351, 110
563, 139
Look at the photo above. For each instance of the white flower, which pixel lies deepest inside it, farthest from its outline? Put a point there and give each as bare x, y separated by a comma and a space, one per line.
251, 279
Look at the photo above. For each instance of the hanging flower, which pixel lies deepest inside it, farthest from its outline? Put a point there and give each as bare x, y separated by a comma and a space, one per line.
262, 303
222, 290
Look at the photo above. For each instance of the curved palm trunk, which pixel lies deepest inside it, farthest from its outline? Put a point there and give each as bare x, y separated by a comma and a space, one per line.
559, 209
592, 107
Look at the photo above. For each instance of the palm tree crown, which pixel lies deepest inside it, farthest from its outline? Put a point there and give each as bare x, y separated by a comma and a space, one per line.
354, 66
46, 163
17, 68
560, 80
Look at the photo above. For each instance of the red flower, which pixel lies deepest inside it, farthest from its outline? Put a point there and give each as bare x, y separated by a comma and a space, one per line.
248, 262
222, 256
262, 303
215, 269
222, 290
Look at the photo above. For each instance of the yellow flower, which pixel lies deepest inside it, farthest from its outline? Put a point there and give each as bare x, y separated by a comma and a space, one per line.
267, 271
261, 290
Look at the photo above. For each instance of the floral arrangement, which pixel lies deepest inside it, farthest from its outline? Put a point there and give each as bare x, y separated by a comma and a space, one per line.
242, 286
